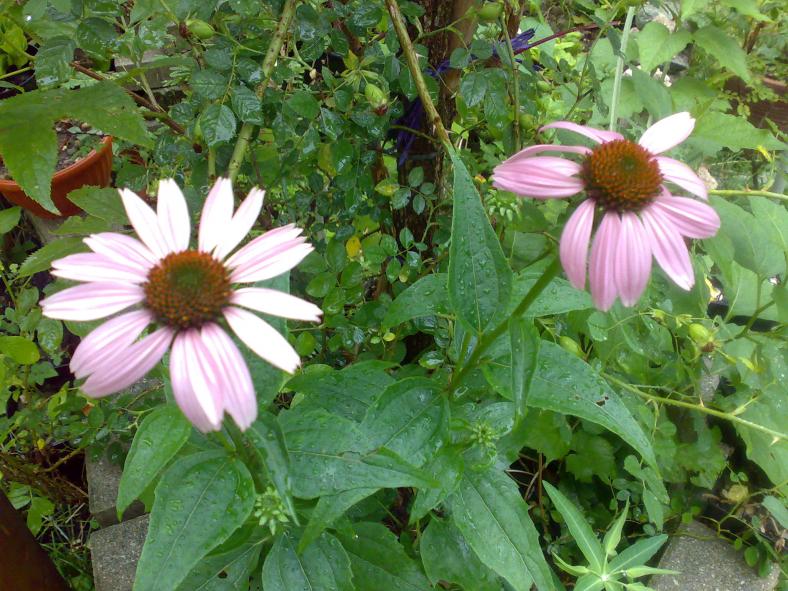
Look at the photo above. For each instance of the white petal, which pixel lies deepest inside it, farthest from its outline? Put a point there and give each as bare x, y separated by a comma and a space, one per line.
262, 338
216, 215
145, 223
276, 303
242, 222
173, 216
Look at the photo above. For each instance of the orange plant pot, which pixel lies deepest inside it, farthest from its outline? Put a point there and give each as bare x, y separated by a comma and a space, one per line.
94, 169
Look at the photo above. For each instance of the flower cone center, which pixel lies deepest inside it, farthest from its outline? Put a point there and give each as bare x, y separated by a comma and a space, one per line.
187, 289
621, 175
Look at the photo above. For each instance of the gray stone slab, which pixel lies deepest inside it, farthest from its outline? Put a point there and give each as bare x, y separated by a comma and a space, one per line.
707, 563
115, 551
103, 480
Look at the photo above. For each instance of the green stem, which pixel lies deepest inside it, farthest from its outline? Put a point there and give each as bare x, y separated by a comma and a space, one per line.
515, 83
755, 315
748, 193
274, 48
413, 65
698, 407
489, 338
622, 53
248, 454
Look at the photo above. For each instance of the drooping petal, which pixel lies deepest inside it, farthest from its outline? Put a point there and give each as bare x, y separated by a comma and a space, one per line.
240, 401
690, 217
276, 303
138, 360
275, 263
173, 216
668, 247
262, 245
682, 175
262, 338
242, 222
216, 215
530, 151
108, 342
193, 382
633, 259
540, 176
667, 133
122, 249
600, 136
603, 259
91, 301
145, 223
89, 266
574, 243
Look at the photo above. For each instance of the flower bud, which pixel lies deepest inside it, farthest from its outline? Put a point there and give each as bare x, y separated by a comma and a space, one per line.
568, 344
489, 12
375, 96
699, 333
200, 29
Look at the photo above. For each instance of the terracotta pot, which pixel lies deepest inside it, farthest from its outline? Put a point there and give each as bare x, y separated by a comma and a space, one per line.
94, 169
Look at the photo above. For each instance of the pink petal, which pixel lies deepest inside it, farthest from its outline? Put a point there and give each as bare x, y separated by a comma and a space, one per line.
122, 249
216, 215
603, 259
545, 177
91, 301
242, 222
108, 341
600, 136
262, 245
194, 382
682, 175
667, 133
531, 150
138, 360
668, 247
89, 266
690, 217
145, 223
173, 216
574, 243
240, 400
633, 259
273, 264
262, 338
276, 303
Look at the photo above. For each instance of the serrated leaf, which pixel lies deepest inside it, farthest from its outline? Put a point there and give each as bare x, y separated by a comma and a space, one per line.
246, 105
29, 152
218, 124
53, 61
9, 218
324, 564
208, 84
733, 132
379, 561
657, 45
491, 515
103, 203
42, 259
425, 297
159, 437
480, 280
200, 501
304, 104
473, 87
724, 48
447, 557
584, 536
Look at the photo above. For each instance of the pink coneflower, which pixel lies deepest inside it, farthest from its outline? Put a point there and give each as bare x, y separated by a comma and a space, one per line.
624, 180
184, 293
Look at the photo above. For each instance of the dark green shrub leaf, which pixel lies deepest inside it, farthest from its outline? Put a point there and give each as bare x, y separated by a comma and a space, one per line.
323, 564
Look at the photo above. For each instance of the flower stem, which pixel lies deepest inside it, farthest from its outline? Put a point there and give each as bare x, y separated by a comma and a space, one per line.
515, 85
748, 193
698, 407
245, 134
489, 338
248, 455
622, 53
415, 70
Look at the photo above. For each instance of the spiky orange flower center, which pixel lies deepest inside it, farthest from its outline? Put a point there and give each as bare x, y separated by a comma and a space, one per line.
621, 175
187, 289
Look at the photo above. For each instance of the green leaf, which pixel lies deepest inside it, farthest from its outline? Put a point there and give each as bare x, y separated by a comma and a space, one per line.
480, 280
42, 259
225, 571
613, 535
747, 8
558, 297
103, 203
29, 151
490, 513
725, 49
379, 562
447, 557
774, 219
322, 565
329, 508
636, 554
581, 532
426, 297
49, 334
208, 85
330, 454
53, 61
589, 583
690, 7
642, 571
653, 94
447, 467
218, 124
733, 132
592, 455
769, 410
159, 437
304, 104
9, 218
20, 349
473, 88
524, 341
200, 501
656, 513
269, 442
408, 418
247, 106
777, 508
657, 45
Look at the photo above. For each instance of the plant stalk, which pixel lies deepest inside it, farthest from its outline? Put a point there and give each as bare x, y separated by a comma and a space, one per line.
748, 193
622, 52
